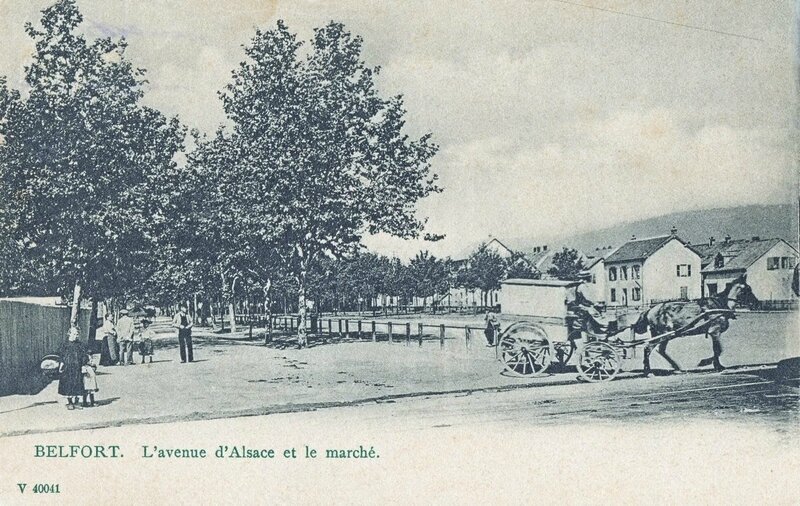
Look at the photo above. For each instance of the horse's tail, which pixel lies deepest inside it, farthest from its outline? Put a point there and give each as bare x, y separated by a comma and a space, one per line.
641, 325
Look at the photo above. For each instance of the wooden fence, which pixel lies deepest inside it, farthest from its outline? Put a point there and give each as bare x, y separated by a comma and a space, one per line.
28, 332
371, 330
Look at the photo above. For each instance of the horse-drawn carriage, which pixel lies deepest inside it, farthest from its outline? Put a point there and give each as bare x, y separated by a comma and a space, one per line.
550, 325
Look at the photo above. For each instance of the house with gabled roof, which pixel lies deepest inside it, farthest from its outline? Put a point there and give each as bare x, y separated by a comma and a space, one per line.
768, 263
644, 271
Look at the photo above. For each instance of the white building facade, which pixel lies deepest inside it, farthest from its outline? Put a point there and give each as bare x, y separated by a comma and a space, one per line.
645, 271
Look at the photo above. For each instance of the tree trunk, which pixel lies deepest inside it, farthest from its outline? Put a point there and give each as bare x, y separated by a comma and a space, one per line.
302, 323
268, 311
232, 304
76, 304
92, 321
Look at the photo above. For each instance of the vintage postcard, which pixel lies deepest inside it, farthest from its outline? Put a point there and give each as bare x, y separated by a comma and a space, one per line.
399, 252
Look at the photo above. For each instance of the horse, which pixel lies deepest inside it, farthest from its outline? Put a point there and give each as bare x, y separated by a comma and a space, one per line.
670, 316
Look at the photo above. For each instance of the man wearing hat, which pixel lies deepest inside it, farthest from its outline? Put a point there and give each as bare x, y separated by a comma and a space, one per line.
125, 332
183, 322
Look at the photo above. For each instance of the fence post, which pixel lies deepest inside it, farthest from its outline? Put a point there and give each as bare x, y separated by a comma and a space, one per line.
347, 327
389, 326
467, 337
359, 330
330, 328
441, 336
373, 331
408, 333
420, 333
340, 328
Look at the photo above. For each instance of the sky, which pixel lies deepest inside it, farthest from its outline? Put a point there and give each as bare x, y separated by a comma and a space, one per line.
552, 116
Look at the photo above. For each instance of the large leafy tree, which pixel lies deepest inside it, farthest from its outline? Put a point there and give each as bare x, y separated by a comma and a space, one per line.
325, 150
567, 265
81, 160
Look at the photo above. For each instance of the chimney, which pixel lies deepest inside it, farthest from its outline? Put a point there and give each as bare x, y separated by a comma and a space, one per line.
711, 241
544, 248
633, 237
756, 238
673, 231
727, 238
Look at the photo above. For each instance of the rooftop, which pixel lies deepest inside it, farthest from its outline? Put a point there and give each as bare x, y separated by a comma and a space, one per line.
638, 249
738, 254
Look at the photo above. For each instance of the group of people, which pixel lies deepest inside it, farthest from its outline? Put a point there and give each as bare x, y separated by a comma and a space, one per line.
113, 345
118, 341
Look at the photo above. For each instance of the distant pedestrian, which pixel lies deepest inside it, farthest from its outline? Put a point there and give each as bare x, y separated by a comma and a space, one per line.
183, 322
108, 336
125, 334
73, 358
492, 328
146, 341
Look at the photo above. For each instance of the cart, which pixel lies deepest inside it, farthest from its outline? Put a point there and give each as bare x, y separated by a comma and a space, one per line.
544, 334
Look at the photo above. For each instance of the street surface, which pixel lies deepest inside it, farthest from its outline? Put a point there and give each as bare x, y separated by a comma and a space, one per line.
719, 438
445, 425
234, 376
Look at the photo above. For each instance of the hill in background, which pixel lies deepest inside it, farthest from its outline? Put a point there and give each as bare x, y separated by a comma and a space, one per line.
742, 222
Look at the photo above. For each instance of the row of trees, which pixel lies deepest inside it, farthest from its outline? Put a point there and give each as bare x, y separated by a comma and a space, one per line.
311, 159
356, 282
275, 202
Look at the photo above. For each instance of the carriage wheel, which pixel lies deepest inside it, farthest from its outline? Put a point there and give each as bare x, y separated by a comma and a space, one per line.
599, 361
525, 350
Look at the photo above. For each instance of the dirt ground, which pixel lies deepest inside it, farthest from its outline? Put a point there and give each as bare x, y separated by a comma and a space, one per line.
234, 376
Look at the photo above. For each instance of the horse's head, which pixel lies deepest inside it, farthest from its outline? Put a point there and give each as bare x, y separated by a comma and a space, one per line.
739, 292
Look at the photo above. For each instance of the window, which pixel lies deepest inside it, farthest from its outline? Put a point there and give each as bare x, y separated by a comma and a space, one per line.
787, 262
623, 272
594, 279
719, 261
684, 292
773, 263
712, 289
636, 293
684, 270
612, 274
624, 296
635, 271
613, 295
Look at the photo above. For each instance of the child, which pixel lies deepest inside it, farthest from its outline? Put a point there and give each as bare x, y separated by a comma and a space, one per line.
90, 380
146, 341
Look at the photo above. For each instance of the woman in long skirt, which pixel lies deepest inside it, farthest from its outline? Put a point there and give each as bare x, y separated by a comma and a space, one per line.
73, 358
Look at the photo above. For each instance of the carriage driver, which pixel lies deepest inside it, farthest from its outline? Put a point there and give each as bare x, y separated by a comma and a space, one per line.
581, 301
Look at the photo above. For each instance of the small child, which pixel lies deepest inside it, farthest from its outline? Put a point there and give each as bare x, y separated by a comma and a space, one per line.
90, 380
146, 341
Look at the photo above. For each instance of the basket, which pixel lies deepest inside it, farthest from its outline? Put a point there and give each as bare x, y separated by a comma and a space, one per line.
50, 365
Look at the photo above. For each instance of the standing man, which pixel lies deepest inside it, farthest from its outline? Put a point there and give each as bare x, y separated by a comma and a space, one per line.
125, 332
183, 322
109, 352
